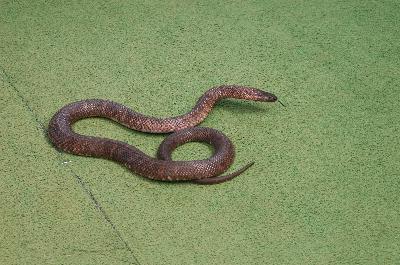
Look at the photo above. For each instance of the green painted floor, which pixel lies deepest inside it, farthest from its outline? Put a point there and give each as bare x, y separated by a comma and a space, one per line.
325, 187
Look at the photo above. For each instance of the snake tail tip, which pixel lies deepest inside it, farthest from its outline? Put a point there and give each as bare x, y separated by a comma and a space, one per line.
220, 179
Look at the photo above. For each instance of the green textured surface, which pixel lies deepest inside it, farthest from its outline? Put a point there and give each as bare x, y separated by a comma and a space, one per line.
325, 188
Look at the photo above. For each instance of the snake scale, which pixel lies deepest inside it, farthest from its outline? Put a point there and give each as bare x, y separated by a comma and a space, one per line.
206, 171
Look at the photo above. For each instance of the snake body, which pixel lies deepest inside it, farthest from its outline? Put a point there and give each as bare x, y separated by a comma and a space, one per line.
204, 171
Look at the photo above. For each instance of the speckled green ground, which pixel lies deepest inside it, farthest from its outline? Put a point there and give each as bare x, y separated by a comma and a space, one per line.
325, 188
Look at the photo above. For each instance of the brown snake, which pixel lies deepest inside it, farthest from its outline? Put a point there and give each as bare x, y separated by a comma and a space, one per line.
204, 171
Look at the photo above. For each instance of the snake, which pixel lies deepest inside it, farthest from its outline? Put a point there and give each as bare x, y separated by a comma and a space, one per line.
183, 129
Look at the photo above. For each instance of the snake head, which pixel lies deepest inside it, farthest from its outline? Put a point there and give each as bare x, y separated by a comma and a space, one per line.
248, 93
260, 95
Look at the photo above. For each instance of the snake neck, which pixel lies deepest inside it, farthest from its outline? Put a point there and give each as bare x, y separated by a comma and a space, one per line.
206, 103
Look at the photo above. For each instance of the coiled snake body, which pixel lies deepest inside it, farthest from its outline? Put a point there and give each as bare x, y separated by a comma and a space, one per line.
205, 171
